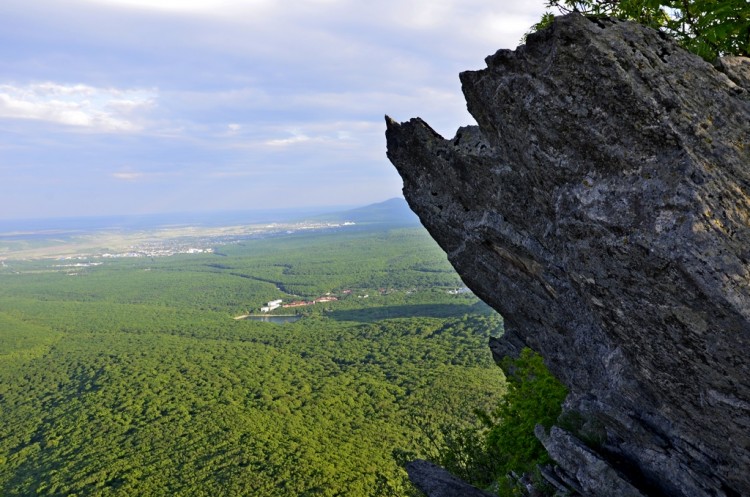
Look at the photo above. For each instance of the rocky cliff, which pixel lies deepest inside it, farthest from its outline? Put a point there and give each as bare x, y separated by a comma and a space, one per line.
602, 206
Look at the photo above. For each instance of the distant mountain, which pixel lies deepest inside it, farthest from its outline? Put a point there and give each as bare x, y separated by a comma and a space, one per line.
394, 211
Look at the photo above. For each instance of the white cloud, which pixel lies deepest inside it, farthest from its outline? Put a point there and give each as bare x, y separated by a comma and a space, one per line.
98, 109
297, 137
233, 129
333, 134
127, 175
185, 6
248, 172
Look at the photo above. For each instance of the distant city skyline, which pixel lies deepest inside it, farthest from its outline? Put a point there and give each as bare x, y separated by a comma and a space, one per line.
120, 107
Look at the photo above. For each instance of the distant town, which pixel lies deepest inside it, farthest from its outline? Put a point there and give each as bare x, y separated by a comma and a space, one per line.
206, 244
157, 242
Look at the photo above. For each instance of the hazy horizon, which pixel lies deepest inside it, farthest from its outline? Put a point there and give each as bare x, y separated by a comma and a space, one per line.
215, 218
200, 213
139, 107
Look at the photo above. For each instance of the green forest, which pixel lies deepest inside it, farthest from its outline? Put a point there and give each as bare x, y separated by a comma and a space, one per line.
133, 377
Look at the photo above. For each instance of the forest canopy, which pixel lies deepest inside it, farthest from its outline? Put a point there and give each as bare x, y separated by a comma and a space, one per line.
131, 376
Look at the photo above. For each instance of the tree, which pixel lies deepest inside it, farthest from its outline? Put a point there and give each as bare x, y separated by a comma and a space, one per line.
709, 28
534, 397
504, 444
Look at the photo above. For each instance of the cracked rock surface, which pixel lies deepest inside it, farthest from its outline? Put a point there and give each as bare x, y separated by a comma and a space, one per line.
602, 206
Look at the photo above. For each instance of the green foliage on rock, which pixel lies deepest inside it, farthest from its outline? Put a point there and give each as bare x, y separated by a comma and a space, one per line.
534, 397
709, 28
504, 442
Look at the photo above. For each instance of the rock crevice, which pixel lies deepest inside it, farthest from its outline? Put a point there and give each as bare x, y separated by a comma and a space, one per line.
602, 206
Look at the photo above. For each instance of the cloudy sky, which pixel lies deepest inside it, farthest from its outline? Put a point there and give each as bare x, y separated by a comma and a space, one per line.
141, 106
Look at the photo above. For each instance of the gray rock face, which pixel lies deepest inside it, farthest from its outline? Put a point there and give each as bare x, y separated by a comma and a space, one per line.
602, 206
737, 69
434, 481
595, 476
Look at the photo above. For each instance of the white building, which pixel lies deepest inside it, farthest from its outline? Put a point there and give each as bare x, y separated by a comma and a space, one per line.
274, 304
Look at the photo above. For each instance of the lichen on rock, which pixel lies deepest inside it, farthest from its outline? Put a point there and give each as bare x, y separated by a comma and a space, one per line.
602, 206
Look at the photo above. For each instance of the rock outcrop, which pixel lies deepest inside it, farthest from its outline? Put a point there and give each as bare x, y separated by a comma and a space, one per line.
434, 481
602, 206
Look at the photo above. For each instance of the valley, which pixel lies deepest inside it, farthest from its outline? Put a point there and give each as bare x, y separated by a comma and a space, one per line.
129, 376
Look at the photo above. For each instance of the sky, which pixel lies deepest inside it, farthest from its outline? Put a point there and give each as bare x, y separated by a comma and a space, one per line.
154, 106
